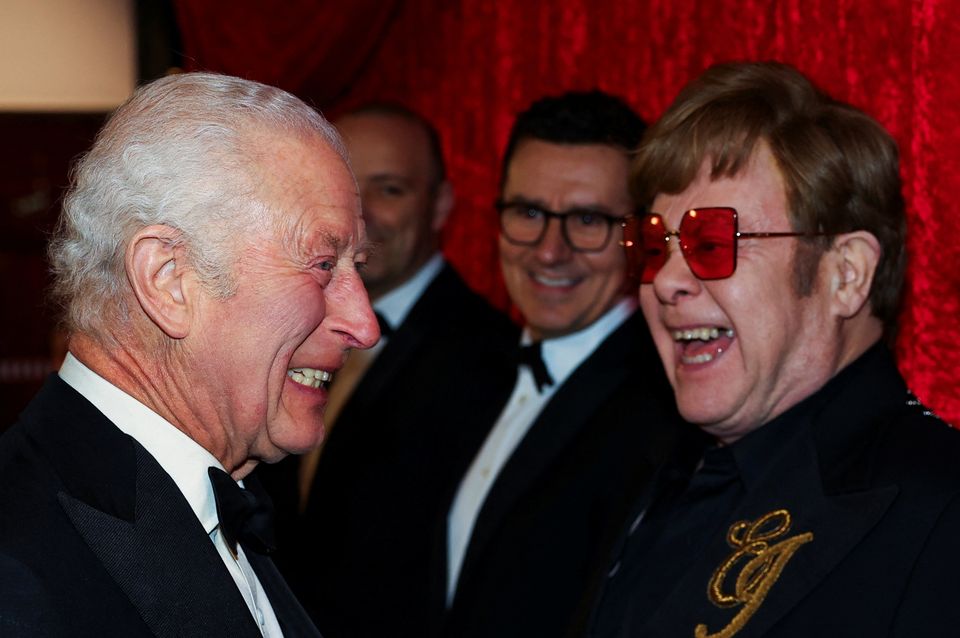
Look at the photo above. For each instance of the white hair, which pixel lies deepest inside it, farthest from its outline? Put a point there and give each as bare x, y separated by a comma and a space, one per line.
180, 152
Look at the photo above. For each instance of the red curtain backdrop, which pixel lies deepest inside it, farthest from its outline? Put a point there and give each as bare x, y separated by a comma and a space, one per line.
470, 65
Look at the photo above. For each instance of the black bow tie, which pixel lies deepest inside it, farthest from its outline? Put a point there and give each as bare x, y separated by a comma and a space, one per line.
386, 330
531, 355
246, 515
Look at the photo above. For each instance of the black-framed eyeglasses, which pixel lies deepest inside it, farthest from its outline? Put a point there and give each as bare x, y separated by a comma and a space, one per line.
584, 229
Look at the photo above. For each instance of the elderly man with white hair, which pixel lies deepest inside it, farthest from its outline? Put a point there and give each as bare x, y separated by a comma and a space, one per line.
207, 265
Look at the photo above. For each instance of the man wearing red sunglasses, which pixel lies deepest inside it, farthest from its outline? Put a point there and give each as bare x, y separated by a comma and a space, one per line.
771, 258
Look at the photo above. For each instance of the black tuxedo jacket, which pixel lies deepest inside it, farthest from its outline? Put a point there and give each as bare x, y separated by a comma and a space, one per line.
540, 532
97, 540
358, 558
871, 488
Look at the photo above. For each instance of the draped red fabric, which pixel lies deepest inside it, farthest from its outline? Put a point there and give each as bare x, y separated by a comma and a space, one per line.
304, 46
470, 65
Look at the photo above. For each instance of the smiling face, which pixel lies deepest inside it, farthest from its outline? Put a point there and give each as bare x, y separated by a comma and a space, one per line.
403, 205
299, 306
742, 350
560, 291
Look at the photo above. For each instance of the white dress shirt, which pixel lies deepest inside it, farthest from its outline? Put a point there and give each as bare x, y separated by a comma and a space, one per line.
396, 304
561, 356
186, 462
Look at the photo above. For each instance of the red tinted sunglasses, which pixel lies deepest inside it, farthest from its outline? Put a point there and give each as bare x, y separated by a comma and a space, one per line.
707, 236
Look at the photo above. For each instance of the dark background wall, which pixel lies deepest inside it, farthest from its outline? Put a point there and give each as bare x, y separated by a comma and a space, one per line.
36, 152
35, 155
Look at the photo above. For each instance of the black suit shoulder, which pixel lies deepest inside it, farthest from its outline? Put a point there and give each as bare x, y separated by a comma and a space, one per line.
449, 305
917, 447
910, 557
50, 583
874, 431
450, 296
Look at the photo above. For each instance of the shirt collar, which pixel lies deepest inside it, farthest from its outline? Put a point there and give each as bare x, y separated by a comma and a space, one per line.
757, 450
396, 304
185, 460
563, 355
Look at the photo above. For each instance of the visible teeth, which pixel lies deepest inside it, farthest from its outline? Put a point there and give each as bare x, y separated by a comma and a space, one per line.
701, 334
309, 377
700, 358
549, 281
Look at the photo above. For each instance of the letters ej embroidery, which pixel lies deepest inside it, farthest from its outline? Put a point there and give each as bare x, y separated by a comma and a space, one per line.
751, 541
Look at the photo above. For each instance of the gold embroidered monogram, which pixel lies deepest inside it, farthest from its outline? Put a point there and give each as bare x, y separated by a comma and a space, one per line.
751, 541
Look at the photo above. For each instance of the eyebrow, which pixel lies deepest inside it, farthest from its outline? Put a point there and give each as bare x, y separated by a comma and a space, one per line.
338, 244
386, 177
365, 246
330, 239
533, 203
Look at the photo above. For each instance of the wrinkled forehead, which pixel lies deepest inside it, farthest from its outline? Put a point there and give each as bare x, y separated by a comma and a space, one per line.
298, 180
298, 165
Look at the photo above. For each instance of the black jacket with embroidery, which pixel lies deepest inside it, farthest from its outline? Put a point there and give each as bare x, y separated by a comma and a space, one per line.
848, 526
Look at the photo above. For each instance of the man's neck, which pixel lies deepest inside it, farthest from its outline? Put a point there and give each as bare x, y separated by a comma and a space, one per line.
857, 335
138, 374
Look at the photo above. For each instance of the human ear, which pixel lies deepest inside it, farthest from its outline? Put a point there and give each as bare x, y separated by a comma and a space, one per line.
854, 258
155, 266
442, 205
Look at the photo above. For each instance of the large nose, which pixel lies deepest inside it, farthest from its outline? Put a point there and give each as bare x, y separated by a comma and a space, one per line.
675, 281
349, 313
553, 247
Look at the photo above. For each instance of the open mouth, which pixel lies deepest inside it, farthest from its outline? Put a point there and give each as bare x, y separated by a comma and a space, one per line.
703, 344
310, 377
554, 282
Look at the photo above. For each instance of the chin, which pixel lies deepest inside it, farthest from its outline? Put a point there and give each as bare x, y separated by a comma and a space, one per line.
707, 417
304, 443
299, 439
275, 458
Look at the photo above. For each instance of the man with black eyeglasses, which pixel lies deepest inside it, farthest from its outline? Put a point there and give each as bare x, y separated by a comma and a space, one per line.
591, 414
772, 262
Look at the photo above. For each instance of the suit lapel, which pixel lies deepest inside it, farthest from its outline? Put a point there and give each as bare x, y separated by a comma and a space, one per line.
557, 425
163, 560
294, 621
137, 523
